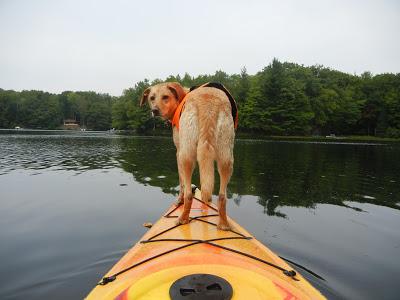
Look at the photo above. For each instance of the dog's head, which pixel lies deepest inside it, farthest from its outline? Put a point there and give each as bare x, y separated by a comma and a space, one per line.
163, 98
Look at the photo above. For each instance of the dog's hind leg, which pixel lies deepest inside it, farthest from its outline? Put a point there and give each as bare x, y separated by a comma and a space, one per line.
186, 160
224, 157
187, 166
205, 157
225, 172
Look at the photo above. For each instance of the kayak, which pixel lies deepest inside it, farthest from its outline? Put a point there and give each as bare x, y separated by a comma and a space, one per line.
198, 261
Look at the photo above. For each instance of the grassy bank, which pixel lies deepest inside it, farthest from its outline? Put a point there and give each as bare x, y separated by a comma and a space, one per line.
336, 139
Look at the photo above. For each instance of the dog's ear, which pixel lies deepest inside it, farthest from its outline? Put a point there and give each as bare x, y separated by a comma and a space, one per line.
177, 90
144, 96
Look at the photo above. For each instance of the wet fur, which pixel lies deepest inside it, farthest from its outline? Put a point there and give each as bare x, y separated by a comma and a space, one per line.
206, 134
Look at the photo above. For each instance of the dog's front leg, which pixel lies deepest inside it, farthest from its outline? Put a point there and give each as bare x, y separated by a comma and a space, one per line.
179, 201
175, 136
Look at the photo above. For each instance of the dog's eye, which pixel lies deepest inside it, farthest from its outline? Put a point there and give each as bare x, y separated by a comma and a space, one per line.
152, 98
165, 97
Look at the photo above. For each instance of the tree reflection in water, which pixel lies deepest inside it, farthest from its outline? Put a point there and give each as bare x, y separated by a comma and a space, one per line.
278, 173
281, 173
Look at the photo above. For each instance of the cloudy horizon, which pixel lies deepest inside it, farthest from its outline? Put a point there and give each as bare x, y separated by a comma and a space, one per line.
108, 46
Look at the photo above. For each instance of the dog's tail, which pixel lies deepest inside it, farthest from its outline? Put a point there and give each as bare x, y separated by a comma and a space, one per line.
206, 151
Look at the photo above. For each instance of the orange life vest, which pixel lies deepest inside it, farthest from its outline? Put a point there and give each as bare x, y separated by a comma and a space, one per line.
235, 115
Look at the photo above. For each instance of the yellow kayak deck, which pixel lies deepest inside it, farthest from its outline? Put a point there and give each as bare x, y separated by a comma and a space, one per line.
168, 252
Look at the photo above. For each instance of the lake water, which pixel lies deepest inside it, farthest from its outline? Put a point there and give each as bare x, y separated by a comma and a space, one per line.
71, 204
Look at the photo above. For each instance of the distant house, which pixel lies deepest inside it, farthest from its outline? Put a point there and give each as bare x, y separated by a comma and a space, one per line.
71, 124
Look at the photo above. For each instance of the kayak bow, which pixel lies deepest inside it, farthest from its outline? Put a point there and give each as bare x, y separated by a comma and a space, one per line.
198, 261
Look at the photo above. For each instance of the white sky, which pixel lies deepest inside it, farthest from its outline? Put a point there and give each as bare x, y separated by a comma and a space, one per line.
107, 46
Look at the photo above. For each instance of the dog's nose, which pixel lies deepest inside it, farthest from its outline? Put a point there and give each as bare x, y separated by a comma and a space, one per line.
155, 112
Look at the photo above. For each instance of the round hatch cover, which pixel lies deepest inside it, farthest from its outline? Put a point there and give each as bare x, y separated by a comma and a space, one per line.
201, 286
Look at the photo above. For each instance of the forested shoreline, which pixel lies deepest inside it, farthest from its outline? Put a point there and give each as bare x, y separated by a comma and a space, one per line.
283, 99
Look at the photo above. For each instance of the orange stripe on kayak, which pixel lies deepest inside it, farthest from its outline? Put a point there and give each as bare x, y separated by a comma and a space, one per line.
123, 295
285, 293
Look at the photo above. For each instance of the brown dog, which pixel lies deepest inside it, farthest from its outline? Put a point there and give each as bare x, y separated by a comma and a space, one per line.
205, 131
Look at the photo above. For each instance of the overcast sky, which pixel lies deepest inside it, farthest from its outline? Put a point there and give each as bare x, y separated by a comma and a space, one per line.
107, 46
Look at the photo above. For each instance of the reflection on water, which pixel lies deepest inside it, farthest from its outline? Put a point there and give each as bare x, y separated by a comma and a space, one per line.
57, 152
278, 173
296, 197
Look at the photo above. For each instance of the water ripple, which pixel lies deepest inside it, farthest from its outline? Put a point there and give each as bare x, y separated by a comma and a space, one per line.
54, 152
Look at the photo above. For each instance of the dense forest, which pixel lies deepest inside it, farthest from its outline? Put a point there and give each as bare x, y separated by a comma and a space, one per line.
282, 99
42, 110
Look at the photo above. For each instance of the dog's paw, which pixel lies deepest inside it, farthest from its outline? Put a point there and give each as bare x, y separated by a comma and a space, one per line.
182, 220
223, 226
179, 201
208, 201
